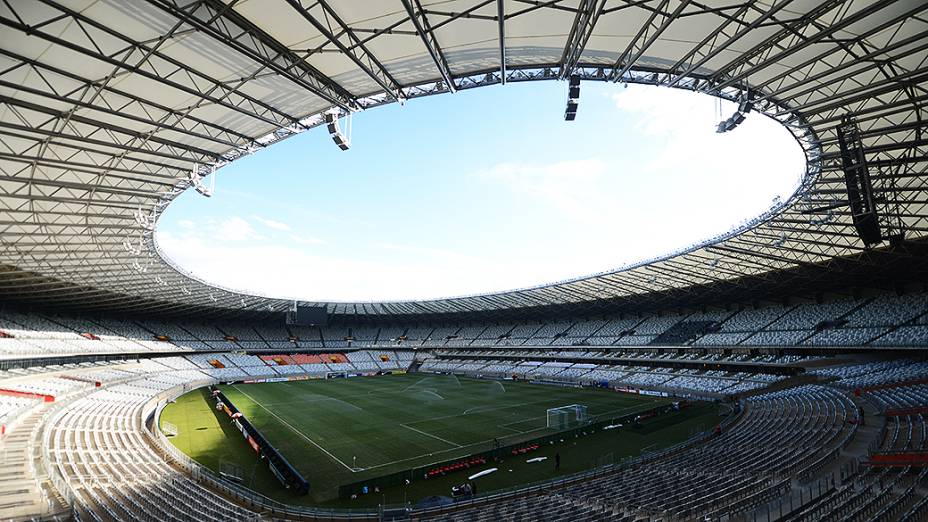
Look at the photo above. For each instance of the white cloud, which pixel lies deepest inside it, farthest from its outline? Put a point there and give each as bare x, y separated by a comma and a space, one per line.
666, 112
270, 223
293, 272
440, 253
306, 240
236, 229
573, 188
739, 162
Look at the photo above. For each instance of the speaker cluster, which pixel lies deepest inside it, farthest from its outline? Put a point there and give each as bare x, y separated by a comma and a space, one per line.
331, 122
573, 97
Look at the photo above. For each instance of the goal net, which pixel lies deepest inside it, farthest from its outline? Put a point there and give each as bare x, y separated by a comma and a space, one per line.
230, 470
168, 429
564, 417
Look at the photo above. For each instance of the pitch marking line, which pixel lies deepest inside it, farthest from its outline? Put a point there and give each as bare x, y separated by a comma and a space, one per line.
520, 421
478, 443
413, 385
503, 426
315, 401
298, 432
484, 408
430, 435
433, 393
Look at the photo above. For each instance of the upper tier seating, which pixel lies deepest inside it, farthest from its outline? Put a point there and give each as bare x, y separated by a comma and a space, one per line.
887, 320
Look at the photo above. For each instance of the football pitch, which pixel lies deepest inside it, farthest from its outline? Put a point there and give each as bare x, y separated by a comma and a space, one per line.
342, 431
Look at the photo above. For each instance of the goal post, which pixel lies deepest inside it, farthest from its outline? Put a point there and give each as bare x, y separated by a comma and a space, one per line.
169, 430
569, 416
231, 470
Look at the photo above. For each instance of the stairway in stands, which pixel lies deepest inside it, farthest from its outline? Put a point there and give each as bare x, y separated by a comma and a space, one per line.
21, 497
414, 367
682, 333
795, 506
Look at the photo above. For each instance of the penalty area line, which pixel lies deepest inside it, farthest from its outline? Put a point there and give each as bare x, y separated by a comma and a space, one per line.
294, 430
478, 443
433, 436
503, 426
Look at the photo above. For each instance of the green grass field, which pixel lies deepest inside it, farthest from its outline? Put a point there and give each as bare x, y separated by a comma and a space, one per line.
345, 430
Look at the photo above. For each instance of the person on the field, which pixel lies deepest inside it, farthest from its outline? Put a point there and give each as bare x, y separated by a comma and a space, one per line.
557, 461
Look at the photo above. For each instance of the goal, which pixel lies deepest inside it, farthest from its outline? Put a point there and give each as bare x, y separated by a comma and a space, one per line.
169, 430
231, 470
564, 417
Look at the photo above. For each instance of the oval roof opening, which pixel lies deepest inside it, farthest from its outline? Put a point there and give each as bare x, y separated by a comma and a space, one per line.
481, 191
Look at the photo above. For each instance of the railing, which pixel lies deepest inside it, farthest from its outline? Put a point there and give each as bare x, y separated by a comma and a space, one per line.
15, 418
55, 476
112, 357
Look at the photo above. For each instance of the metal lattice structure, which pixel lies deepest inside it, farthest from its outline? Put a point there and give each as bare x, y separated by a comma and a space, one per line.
107, 106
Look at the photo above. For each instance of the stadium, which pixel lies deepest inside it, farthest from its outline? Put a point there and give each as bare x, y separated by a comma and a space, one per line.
776, 371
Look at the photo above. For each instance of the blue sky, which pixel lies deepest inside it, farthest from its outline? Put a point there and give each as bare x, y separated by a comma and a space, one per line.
483, 190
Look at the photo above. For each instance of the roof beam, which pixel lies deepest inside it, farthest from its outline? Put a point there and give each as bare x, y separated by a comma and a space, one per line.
95, 170
157, 125
210, 130
76, 185
223, 23
93, 141
202, 155
710, 45
83, 148
429, 41
898, 108
215, 91
758, 53
866, 92
354, 49
876, 55
588, 13
83, 200
103, 224
501, 23
848, 71
761, 56
657, 23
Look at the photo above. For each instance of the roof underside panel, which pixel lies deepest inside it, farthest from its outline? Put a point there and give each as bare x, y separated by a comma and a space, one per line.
107, 107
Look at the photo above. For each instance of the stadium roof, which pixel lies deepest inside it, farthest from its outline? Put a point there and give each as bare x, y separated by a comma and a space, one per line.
107, 106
